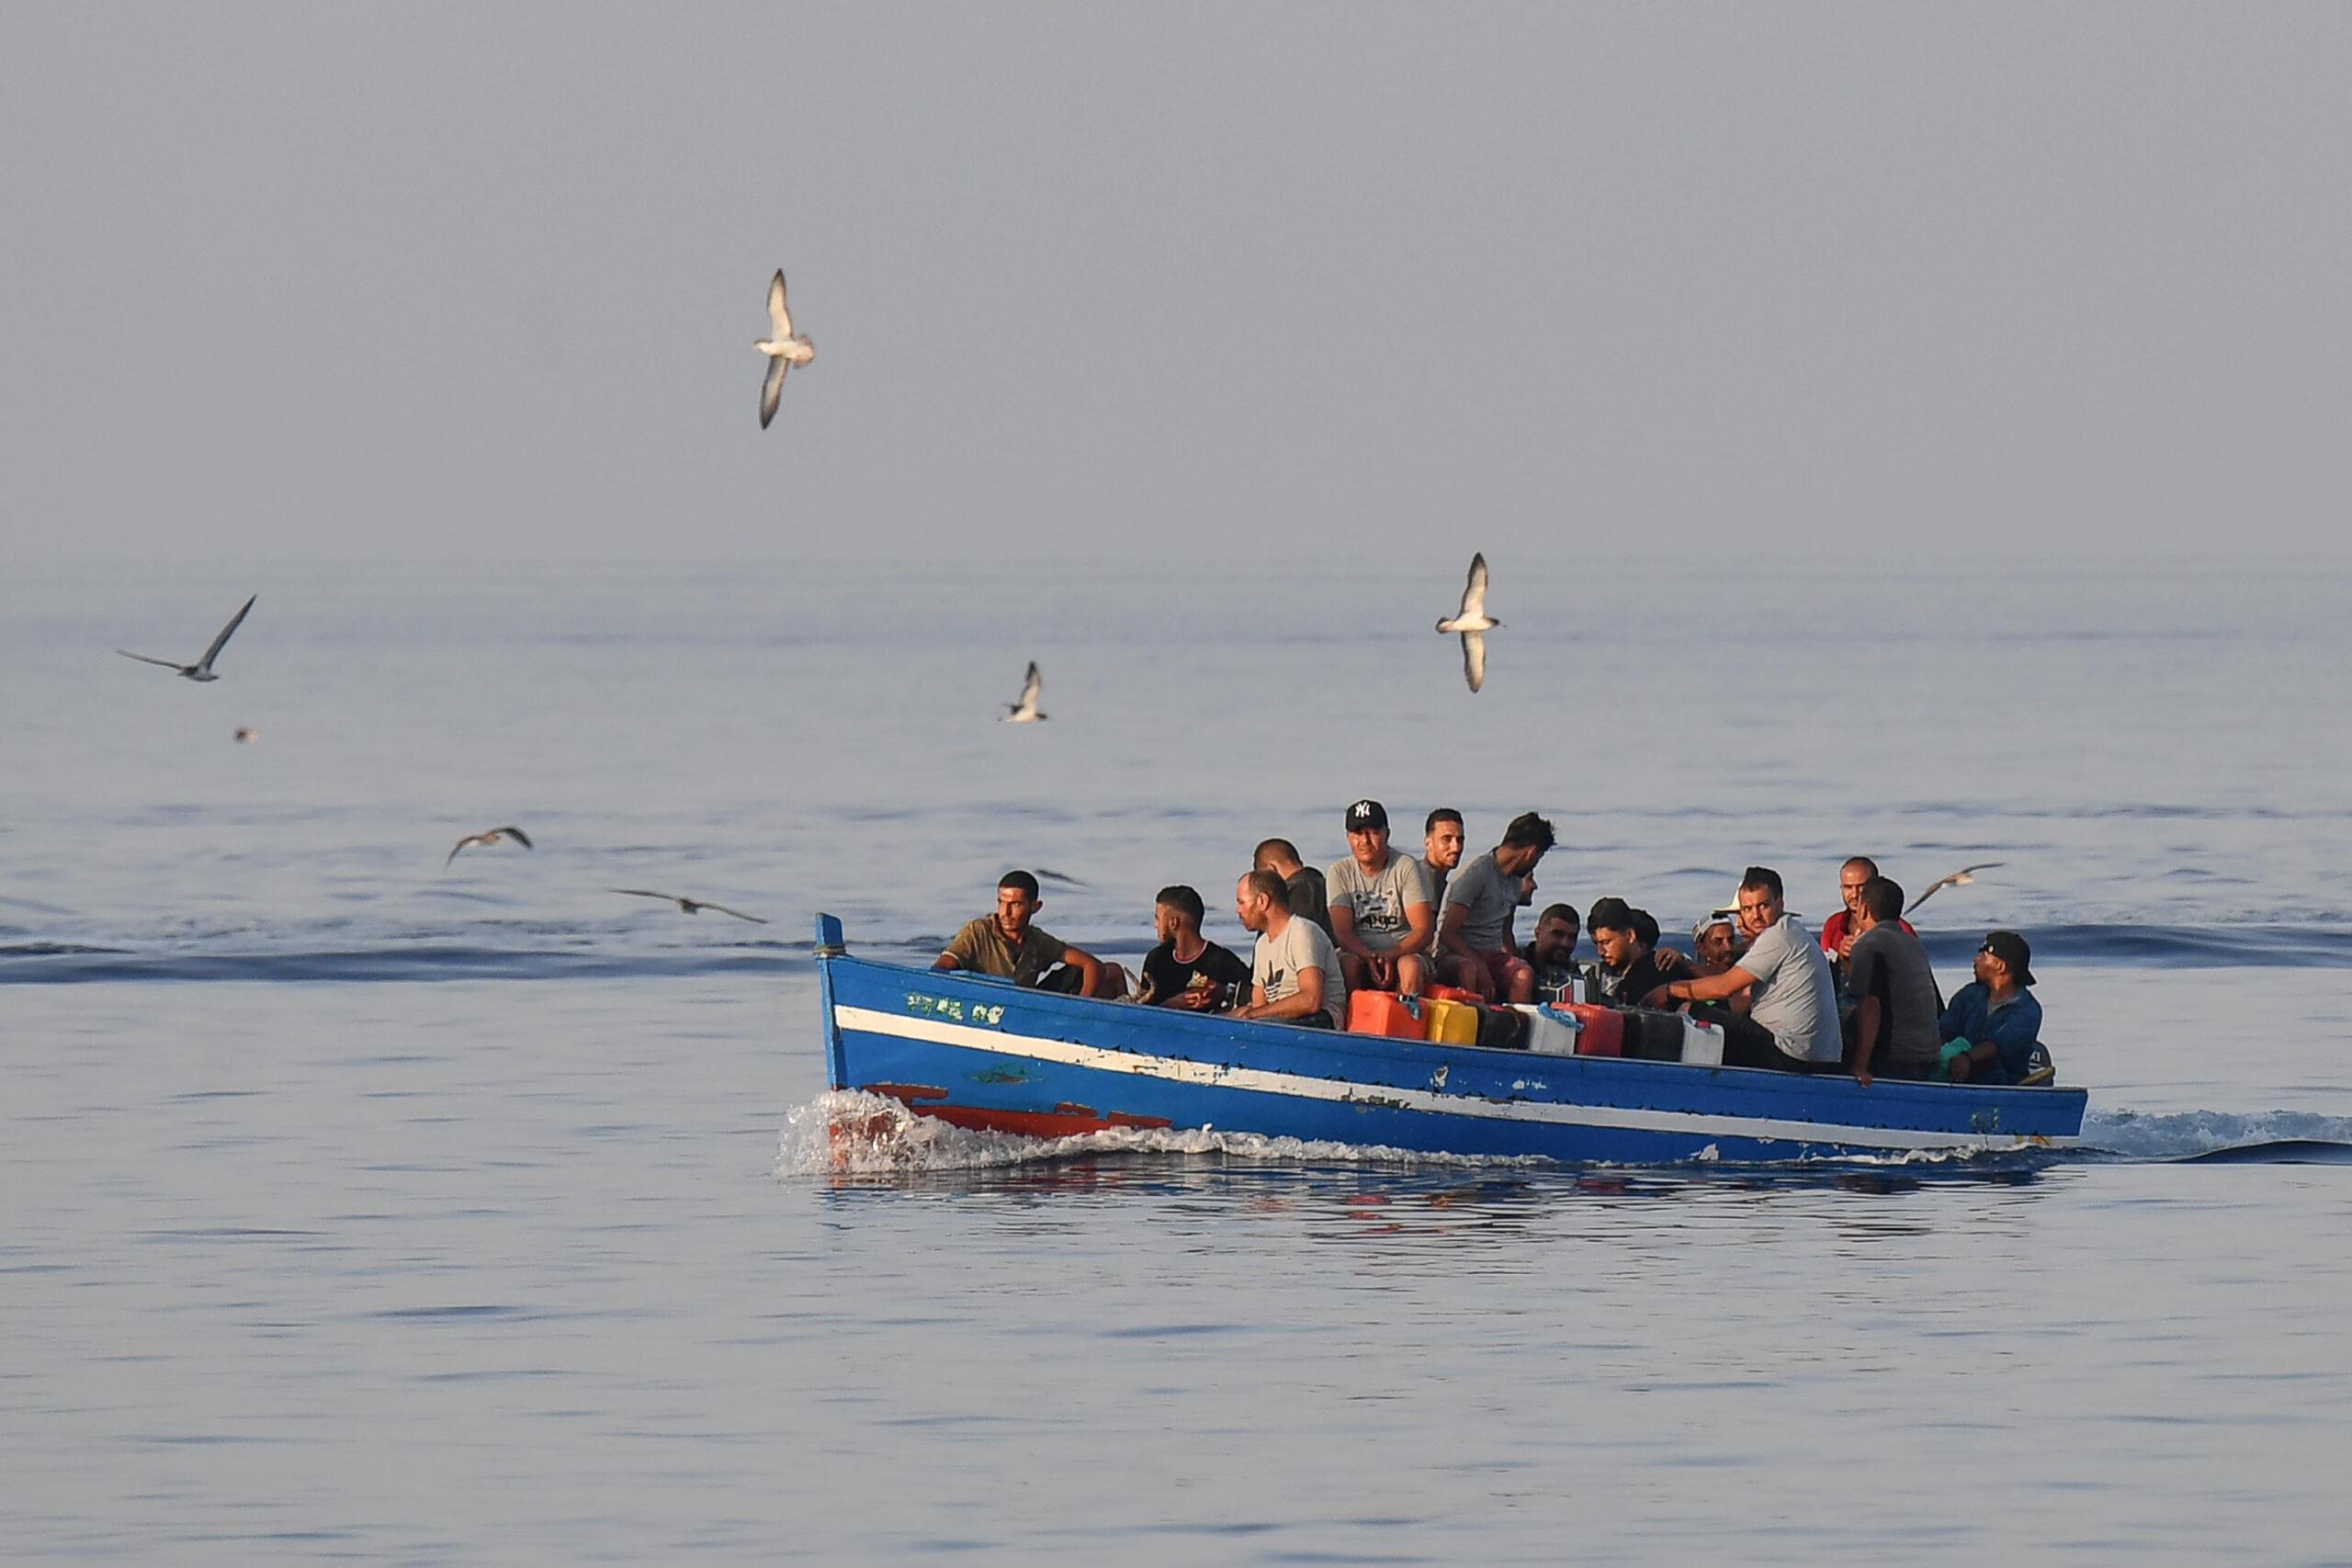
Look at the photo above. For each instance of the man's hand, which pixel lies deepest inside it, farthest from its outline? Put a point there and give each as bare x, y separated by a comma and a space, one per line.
1846, 945
1382, 967
1962, 1066
1193, 999
1660, 997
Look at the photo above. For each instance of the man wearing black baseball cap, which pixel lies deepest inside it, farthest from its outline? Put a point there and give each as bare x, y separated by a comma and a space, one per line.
1992, 1027
1381, 919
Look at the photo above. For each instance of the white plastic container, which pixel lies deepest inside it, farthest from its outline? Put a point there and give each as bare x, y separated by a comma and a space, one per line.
1548, 1034
1702, 1044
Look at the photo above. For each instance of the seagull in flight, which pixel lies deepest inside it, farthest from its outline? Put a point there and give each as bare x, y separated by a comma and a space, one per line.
784, 350
1473, 623
202, 669
686, 906
1026, 710
470, 840
1959, 878
245, 732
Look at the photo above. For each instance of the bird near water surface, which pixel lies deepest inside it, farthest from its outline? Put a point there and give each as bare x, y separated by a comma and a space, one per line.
202, 669
1473, 623
491, 837
686, 906
785, 349
1959, 878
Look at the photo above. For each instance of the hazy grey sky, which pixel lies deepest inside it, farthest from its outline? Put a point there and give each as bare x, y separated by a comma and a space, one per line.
411, 281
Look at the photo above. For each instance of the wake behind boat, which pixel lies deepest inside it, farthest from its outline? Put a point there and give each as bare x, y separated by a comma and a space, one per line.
982, 1052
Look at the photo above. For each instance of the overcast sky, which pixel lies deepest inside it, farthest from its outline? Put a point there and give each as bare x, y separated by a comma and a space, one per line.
410, 281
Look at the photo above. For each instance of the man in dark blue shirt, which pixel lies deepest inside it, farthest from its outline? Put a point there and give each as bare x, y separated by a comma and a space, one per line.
1997, 1021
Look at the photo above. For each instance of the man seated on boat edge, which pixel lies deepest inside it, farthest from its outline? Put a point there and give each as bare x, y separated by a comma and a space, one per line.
1993, 1024
1308, 897
1295, 970
1896, 1003
1380, 915
1007, 945
1187, 970
1792, 1017
1474, 930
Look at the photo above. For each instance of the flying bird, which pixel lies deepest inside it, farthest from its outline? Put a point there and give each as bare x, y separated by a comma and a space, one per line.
784, 350
1473, 623
470, 840
245, 732
686, 906
202, 669
1044, 874
1959, 878
1026, 710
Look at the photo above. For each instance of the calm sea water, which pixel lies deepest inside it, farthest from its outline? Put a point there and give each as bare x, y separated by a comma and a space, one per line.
359, 1207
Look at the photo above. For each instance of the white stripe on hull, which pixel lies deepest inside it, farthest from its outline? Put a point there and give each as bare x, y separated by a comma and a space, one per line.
964, 1036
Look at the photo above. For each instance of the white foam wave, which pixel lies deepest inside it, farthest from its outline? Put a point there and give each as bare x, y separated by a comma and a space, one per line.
2187, 1134
847, 1133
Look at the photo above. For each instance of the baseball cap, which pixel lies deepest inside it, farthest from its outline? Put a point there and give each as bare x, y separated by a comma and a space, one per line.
1710, 920
1366, 814
2011, 950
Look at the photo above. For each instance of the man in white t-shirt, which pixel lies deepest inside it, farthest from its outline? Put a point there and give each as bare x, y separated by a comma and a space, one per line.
1381, 920
1294, 973
1791, 1021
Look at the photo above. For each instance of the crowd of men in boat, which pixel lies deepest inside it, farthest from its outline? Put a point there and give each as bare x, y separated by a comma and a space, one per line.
1860, 997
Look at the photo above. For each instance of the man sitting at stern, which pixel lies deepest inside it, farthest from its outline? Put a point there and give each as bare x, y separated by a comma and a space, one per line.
1994, 1026
1187, 970
1791, 1022
1005, 943
1381, 919
1294, 973
1474, 931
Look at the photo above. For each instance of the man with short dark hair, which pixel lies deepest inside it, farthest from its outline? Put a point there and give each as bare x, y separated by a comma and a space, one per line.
1631, 965
1006, 945
1474, 930
1994, 1025
1791, 1022
1187, 970
1440, 851
1295, 973
1896, 1004
1308, 895
1553, 954
1379, 911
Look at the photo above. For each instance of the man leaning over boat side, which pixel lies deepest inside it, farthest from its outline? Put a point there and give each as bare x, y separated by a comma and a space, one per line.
1474, 930
1295, 973
1791, 1022
1187, 970
1380, 914
1896, 1004
1308, 895
1994, 1025
1006, 945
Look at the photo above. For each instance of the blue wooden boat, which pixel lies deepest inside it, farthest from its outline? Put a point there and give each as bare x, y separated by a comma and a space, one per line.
982, 1052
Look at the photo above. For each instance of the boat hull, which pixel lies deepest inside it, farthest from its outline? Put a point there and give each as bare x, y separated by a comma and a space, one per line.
980, 1053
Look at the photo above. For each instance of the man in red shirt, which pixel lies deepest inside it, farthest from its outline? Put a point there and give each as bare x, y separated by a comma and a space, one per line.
1838, 931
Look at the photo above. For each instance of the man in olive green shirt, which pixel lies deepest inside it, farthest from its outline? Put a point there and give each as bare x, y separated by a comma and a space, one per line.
1006, 945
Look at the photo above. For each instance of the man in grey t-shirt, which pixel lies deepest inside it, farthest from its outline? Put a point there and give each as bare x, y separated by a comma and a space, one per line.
1474, 935
1379, 909
1791, 1021
1896, 1003
1295, 972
